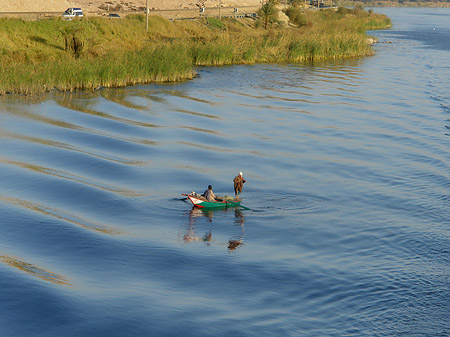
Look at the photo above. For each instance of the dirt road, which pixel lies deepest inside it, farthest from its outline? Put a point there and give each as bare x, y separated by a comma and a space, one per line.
117, 6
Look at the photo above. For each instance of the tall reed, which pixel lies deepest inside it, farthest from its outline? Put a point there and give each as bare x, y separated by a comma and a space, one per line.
34, 57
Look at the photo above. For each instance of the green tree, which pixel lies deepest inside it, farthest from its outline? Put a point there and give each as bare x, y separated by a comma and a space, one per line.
74, 40
268, 12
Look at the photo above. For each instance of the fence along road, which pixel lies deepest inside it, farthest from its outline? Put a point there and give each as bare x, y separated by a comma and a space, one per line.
171, 14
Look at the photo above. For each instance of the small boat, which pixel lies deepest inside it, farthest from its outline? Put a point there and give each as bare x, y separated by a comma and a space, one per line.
199, 201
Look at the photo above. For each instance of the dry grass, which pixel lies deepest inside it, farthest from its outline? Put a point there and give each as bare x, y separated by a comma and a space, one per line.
34, 56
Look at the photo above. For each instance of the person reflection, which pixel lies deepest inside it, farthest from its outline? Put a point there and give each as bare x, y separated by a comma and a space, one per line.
237, 241
191, 235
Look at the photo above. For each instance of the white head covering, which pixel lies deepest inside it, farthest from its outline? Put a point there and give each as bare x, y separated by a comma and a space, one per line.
240, 173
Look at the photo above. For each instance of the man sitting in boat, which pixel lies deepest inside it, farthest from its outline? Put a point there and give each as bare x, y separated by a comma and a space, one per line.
209, 194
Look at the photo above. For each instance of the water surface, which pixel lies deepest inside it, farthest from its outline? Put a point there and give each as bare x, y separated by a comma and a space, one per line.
345, 229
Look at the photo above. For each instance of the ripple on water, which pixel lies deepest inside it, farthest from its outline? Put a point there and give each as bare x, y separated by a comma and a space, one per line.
344, 228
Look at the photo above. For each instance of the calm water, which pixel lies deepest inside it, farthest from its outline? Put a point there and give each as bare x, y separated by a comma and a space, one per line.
345, 230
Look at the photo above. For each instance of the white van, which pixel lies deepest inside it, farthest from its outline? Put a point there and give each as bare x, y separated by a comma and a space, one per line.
70, 13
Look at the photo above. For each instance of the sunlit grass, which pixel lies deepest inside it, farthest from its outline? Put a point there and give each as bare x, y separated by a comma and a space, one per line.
34, 57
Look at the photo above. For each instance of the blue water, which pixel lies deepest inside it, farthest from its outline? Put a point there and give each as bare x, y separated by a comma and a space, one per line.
345, 229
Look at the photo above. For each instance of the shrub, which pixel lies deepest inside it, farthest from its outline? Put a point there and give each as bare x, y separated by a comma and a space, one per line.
216, 23
296, 3
138, 17
74, 40
343, 10
296, 16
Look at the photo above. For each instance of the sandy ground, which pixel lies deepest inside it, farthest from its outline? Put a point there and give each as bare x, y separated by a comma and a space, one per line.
33, 5
94, 6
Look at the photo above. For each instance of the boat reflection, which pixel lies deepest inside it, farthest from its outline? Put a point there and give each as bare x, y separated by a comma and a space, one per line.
196, 213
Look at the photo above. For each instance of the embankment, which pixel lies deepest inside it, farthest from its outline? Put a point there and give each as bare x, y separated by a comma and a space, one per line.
38, 56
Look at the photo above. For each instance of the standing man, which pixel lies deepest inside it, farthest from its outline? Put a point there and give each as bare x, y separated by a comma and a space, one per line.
238, 183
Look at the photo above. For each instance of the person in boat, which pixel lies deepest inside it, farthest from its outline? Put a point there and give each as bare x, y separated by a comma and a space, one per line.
238, 183
209, 194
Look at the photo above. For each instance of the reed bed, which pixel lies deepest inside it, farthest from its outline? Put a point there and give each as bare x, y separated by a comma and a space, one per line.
114, 70
39, 56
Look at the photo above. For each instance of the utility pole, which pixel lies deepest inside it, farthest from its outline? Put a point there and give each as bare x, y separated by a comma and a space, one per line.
146, 15
220, 5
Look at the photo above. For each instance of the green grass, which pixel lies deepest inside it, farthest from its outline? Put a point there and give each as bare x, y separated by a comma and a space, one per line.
36, 56
114, 70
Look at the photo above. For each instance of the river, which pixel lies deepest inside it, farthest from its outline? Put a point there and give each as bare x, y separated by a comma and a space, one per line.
345, 224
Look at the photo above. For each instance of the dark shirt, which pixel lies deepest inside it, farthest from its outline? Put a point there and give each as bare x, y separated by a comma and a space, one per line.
209, 195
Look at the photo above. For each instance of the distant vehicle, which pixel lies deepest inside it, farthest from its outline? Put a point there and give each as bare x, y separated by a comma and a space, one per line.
71, 13
113, 15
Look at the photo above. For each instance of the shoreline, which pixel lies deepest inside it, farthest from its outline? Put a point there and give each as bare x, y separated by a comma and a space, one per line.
100, 52
406, 4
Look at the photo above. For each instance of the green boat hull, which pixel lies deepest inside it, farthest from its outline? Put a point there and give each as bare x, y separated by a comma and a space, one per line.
208, 204
200, 202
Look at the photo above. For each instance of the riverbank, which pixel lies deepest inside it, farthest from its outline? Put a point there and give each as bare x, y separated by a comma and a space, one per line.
387, 3
100, 6
39, 56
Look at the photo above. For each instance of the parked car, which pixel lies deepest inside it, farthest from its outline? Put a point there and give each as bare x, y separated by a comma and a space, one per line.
113, 15
71, 13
